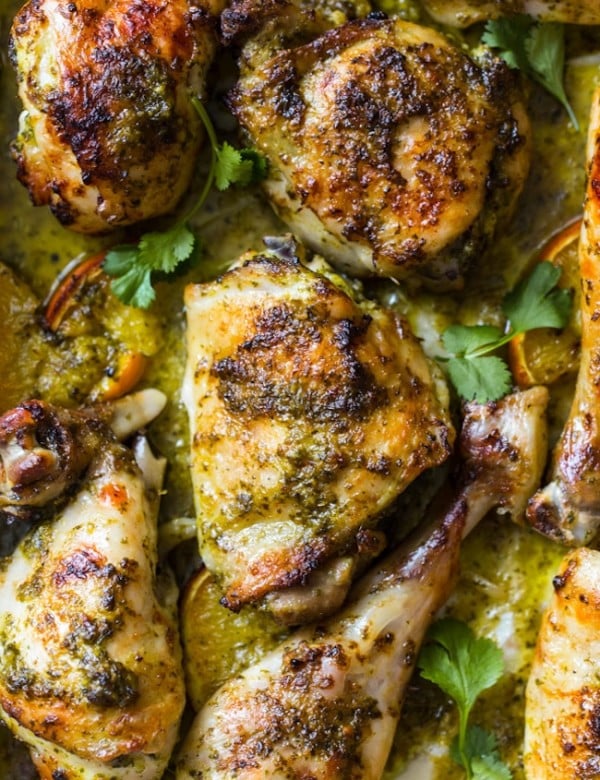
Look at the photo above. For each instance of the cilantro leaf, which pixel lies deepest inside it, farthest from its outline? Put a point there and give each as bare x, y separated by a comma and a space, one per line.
120, 259
478, 742
464, 666
546, 52
166, 250
131, 282
538, 49
464, 339
238, 166
480, 379
535, 303
132, 266
509, 35
134, 287
231, 167
489, 767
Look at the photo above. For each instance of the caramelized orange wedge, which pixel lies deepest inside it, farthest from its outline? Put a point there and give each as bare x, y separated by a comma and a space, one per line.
110, 342
217, 643
545, 355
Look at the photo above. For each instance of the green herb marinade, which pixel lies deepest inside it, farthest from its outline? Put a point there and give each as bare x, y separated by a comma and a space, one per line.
506, 570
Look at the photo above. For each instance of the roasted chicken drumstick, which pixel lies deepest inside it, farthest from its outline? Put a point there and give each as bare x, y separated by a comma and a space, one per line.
90, 672
108, 135
325, 703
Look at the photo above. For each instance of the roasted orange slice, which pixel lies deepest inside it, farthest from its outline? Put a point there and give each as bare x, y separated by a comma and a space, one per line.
105, 342
545, 355
217, 643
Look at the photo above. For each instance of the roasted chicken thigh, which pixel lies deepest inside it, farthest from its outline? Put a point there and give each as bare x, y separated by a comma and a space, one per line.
90, 671
462, 13
391, 151
310, 411
108, 135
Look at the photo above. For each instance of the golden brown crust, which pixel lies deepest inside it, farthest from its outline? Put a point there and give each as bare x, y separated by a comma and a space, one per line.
109, 131
392, 152
90, 667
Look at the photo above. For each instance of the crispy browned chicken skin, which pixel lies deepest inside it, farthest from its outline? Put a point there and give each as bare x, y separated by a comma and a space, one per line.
108, 135
392, 152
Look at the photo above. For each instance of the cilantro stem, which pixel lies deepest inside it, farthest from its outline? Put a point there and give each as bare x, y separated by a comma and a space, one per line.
494, 345
212, 137
462, 738
571, 113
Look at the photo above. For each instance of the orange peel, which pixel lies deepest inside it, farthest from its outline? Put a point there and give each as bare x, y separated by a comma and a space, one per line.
545, 355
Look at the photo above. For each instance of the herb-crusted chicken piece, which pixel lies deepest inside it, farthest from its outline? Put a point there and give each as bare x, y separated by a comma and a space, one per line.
108, 135
462, 13
391, 151
90, 667
309, 413
562, 716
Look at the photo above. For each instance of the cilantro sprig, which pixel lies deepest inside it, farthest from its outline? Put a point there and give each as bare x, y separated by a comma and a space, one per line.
133, 266
534, 303
536, 48
464, 666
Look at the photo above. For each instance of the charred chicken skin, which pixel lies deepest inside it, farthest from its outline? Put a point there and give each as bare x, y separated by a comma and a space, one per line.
391, 151
308, 418
108, 135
